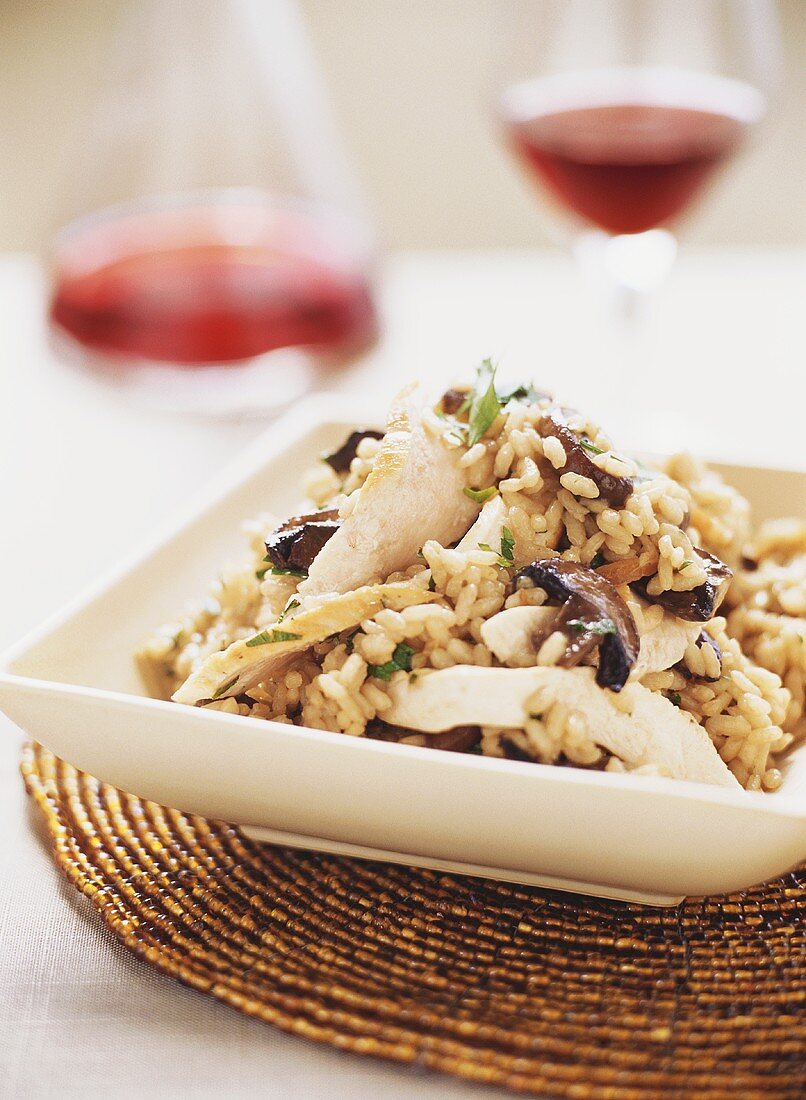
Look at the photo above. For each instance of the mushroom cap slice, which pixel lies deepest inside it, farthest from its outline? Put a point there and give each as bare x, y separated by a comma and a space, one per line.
697, 604
615, 490
593, 615
414, 493
251, 660
645, 728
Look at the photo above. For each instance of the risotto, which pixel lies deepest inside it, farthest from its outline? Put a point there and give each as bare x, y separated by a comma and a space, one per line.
492, 575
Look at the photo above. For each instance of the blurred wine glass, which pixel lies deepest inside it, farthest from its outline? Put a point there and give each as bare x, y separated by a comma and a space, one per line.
623, 111
214, 254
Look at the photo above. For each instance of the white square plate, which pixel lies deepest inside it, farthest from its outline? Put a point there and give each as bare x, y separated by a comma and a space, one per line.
72, 686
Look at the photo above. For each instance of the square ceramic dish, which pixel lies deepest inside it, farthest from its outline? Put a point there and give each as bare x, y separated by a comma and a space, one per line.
72, 685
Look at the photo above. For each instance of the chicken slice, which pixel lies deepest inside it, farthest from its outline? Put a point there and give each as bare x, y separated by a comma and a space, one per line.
664, 644
644, 728
414, 493
251, 660
510, 635
488, 527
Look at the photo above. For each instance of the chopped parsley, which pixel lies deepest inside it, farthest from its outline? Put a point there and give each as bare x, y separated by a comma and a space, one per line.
401, 662
684, 565
480, 495
285, 571
507, 544
505, 558
484, 403
275, 572
527, 394
606, 626
270, 637
292, 603
674, 697
224, 688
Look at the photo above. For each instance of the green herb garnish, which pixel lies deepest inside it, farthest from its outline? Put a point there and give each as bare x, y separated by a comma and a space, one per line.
224, 688
505, 558
270, 637
507, 544
525, 393
675, 697
597, 560
684, 565
480, 495
292, 603
401, 662
606, 626
484, 403
590, 447
276, 572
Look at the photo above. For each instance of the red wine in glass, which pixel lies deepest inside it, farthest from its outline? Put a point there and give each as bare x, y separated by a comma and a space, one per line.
628, 152
198, 283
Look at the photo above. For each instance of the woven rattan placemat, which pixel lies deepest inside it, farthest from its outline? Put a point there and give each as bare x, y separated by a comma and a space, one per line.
546, 993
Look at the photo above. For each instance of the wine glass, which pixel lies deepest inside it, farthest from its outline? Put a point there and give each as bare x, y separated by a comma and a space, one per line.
214, 254
623, 111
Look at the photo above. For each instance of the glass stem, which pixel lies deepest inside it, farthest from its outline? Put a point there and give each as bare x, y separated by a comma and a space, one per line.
627, 267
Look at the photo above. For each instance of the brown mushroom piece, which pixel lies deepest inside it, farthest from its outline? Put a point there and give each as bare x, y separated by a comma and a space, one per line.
593, 615
459, 739
615, 490
701, 603
341, 458
295, 543
452, 400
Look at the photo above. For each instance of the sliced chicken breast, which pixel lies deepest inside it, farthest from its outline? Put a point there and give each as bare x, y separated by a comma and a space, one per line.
414, 493
639, 727
510, 635
664, 645
252, 660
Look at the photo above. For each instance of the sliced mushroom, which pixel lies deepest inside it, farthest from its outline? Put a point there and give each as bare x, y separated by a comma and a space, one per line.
593, 615
341, 458
644, 728
459, 739
296, 542
452, 400
701, 603
615, 490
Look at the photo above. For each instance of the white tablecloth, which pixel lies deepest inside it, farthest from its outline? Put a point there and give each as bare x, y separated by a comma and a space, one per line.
719, 367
